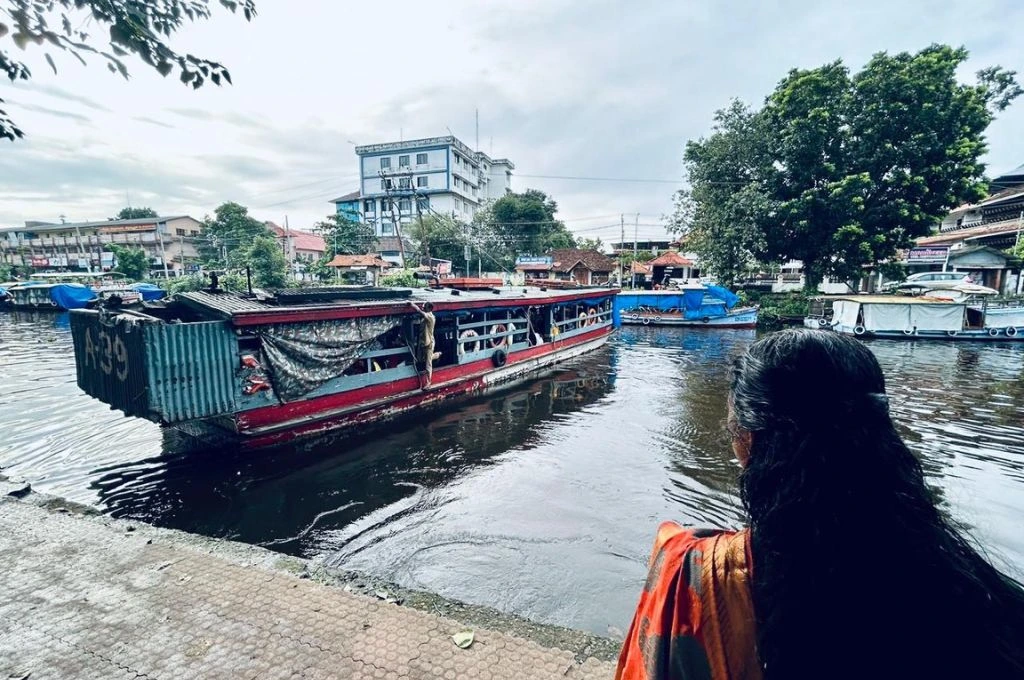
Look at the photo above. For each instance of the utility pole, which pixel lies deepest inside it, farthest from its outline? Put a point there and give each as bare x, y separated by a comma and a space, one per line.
622, 243
288, 250
395, 222
636, 228
478, 129
160, 226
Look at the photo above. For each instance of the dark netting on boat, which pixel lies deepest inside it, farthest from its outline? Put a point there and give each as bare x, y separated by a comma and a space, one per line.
304, 356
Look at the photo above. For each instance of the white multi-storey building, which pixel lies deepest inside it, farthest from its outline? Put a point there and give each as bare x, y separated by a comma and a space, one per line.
435, 175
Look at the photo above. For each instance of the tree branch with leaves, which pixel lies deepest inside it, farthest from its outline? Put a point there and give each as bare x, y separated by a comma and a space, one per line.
131, 27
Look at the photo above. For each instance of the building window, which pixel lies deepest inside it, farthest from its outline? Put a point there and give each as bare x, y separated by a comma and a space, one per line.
385, 163
423, 204
387, 229
404, 205
179, 232
369, 206
458, 159
385, 205
385, 184
421, 181
421, 159
458, 182
403, 161
404, 182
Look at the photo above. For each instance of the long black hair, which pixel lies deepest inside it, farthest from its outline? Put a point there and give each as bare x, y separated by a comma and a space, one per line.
856, 572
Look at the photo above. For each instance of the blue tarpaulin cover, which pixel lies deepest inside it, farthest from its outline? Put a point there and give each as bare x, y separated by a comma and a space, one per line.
149, 291
727, 296
71, 295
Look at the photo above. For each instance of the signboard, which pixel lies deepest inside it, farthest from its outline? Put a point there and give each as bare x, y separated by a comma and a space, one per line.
58, 260
928, 254
40, 262
534, 260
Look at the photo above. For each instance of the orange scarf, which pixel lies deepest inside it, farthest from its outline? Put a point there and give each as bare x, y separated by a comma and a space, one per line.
695, 619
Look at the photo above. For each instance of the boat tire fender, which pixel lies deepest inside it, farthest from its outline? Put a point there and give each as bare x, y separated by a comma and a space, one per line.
500, 357
705, 319
657, 319
1011, 332
993, 332
822, 322
634, 317
952, 334
859, 330
910, 331
647, 321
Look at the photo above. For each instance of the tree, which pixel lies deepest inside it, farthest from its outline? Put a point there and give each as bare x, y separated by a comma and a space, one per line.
590, 244
268, 263
715, 213
840, 171
345, 236
135, 213
139, 27
227, 237
443, 237
521, 224
132, 262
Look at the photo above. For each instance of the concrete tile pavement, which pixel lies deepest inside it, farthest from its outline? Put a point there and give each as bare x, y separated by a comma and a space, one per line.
85, 597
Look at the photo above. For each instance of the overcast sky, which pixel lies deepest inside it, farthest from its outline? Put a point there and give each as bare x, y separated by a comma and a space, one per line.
589, 88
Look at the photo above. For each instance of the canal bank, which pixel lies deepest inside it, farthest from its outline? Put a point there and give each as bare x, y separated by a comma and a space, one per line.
92, 596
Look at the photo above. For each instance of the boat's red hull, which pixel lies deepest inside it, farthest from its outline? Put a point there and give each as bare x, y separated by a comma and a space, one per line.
274, 424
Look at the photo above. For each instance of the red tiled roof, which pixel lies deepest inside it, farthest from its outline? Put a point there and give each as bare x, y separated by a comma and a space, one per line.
534, 267
358, 261
642, 268
565, 259
670, 259
301, 240
957, 235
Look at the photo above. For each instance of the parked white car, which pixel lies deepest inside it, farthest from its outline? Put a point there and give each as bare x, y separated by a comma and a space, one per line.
931, 281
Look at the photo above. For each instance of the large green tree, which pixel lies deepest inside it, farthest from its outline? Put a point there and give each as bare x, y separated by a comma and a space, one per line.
520, 224
841, 170
132, 262
130, 213
111, 30
268, 263
228, 235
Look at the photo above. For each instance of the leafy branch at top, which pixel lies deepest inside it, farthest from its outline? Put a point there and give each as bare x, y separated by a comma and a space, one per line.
139, 27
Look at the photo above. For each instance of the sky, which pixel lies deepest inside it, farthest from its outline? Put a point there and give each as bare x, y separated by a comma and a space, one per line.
594, 89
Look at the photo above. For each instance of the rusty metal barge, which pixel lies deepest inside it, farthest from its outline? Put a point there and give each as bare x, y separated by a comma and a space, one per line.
274, 367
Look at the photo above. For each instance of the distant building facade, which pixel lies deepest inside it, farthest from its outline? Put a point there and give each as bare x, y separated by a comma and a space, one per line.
437, 175
80, 246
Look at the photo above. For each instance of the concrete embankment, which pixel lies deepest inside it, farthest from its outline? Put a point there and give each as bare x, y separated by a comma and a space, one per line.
87, 596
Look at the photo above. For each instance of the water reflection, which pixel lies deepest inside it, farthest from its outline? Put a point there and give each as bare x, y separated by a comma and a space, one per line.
541, 500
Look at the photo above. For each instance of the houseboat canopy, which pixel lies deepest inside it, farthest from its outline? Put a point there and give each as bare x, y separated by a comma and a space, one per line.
884, 313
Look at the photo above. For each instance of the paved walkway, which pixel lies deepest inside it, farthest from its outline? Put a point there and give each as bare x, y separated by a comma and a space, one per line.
91, 597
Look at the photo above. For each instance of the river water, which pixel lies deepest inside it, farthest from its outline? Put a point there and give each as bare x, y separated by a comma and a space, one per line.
541, 501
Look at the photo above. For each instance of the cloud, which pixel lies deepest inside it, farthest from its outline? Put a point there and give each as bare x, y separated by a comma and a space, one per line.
68, 115
61, 93
153, 121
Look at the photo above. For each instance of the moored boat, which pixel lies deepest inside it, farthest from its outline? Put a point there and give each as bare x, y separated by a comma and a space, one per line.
64, 291
298, 362
962, 314
692, 305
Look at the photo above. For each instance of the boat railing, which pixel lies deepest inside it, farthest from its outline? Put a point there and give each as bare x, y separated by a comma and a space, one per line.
577, 323
515, 332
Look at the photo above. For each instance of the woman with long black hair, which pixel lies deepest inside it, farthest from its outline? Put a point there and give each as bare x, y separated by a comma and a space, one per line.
847, 569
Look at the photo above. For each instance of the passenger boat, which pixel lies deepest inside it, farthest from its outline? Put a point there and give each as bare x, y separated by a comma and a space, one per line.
296, 362
963, 313
691, 305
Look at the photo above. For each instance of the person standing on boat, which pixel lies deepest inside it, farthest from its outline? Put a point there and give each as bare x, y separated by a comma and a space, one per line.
427, 338
847, 569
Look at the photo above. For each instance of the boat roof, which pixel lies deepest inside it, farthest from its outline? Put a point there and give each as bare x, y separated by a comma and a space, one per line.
320, 304
891, 300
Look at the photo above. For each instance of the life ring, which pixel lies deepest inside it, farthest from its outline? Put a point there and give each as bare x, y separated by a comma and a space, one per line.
705, 319
1011, 332
952, 334
859, 330
591, 317
495, 330
657, 319
910, 331
465, 337
647, 321
376, 366
634, 317
582, 320
499, 358
993, 332
822, 322
511, 335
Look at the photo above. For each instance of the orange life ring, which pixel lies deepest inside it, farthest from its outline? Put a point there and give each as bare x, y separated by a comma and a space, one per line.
591, 317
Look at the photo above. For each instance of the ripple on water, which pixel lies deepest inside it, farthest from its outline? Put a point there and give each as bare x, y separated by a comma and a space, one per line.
542, 500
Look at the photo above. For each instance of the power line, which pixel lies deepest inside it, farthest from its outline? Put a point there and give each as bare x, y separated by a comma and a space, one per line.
603, 179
